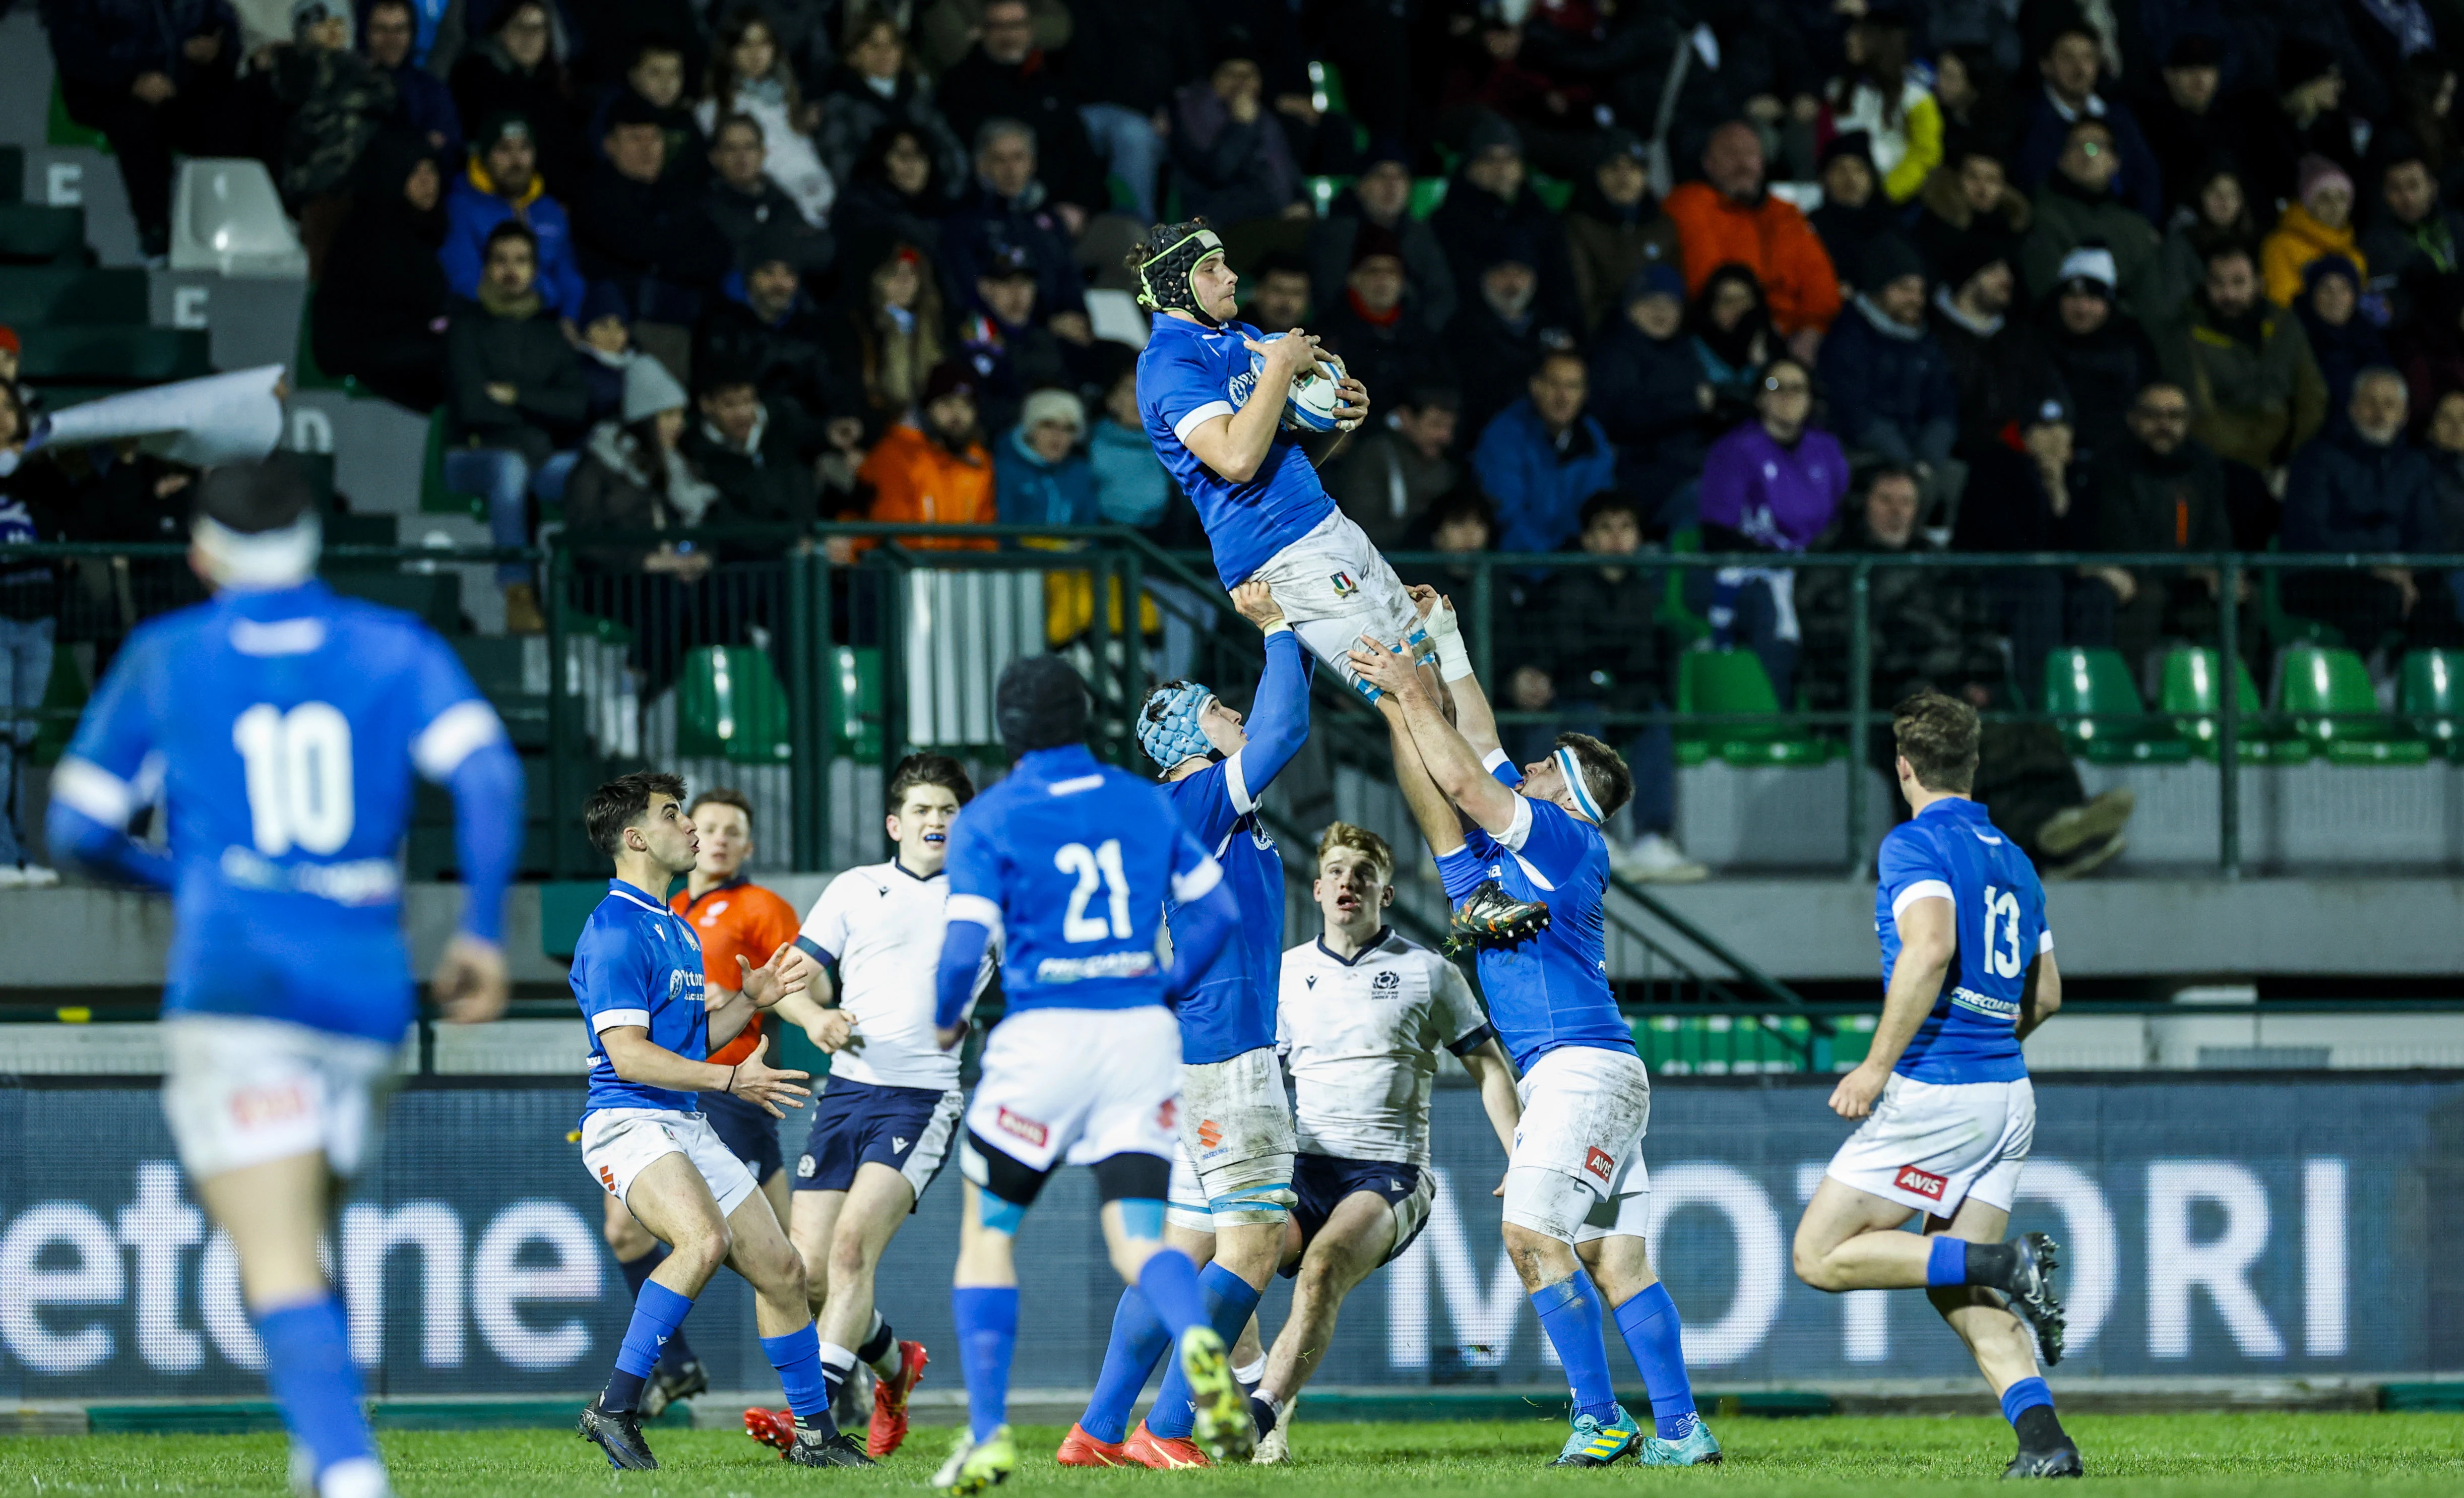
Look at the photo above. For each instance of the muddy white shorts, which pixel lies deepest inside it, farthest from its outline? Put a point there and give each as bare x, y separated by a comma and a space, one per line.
1078, 1086
620, 1143
1235, 1162
1334, 586
1585, 1111
239, 1091
1932, 1145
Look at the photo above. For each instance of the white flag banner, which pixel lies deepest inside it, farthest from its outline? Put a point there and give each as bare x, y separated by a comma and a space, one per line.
221, 418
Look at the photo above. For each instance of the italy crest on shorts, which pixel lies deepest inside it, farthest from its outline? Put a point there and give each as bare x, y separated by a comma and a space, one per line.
1344, 586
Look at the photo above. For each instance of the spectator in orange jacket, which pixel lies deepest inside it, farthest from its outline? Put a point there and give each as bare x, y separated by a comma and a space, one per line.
941, 473
1732, 216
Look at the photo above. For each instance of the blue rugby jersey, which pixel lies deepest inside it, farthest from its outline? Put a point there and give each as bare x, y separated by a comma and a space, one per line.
1188, 375
1232, 1007
639, 963
1549, 990
281, 730
1069, 861
1953, 851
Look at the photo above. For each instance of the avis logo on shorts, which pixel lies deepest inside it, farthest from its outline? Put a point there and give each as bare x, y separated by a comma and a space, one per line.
1023, 1127
1922, 1183
1600, 1162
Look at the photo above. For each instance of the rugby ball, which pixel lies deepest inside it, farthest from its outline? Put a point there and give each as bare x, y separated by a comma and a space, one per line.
1309, 405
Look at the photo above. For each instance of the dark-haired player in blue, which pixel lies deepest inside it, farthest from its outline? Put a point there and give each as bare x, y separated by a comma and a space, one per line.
1068, 863
638, 977
281, 728
1968, 971
1577, 1194
1232, 1183
1267, 515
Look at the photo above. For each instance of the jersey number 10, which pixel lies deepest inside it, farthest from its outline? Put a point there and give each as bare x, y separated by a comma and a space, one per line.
1103, 862
2002, 909
298, 776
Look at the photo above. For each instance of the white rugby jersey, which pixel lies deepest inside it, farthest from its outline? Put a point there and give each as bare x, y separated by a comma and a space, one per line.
1361, 1041
882, 927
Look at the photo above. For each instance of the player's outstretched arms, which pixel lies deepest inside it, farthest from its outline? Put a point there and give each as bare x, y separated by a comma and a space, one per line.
1236, 446
1925, 948
1448, 756
829, 1029
637, 1059
1279, 718
766, 985
2043, 998
1473, 715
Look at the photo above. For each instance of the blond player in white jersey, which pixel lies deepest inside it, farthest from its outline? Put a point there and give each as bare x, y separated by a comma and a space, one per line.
885, 1123
1360, 1017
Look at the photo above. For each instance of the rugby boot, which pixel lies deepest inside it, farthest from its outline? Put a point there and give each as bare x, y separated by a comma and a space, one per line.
889, 1426
1594, 1442
1223, 1429
812, 1448
1275, 1446
668, 1385
1698, 1447
2031, 1289
1162, 1453
975, 1466
619, 1436
771, 1427
1081, 1449
2063, 1461
1489, 916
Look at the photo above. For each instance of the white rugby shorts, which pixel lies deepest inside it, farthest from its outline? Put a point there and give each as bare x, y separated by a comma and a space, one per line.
620, 1143
1235, 1161
1079, 1085
1932, 1145
1334, 586
240, 1090
1585, 1111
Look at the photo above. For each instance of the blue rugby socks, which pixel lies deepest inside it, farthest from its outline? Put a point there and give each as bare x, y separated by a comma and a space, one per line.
798, 1357
1138, 1340
987, 1318
1570, 1313
2029, 1406
308, 1367
637, 1273
1955, 1261
1229, 1300
1170, 1282
1654, 1336
657, 1312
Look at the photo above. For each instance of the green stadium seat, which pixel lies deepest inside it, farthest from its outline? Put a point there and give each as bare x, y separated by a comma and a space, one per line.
2192, 697
1554, 191
43, 296
2431, 693
2333, 704
116, 354
435, 496
64, 695
434, 597
857, 733
32, 234
1326, 80
1427, 192
1718, 1045
58, 129
729, 704
306, 374
511, 672
1682, 623
1323, 191
1733, 681
2285, 629
2116, 728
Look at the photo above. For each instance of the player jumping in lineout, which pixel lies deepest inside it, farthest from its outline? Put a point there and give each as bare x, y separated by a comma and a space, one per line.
1578, 1195
1360, 1018
1948, 1113
637, 975
888, 1115
1068, 863
279, 727
1231, 1191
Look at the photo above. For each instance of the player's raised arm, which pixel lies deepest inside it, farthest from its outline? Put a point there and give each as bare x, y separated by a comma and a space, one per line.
1473, 716
1450, 759
1279, 716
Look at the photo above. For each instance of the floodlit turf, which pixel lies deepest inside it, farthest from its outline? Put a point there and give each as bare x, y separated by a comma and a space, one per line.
2313, 1455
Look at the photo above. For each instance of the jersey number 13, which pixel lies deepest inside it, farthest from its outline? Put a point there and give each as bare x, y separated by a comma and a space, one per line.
2002, 932
298, 776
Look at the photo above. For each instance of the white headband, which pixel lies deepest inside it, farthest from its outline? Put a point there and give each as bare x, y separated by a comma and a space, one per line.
284, 557
1585, 802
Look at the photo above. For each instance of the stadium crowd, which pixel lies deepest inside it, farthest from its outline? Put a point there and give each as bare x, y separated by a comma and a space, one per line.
1766, 276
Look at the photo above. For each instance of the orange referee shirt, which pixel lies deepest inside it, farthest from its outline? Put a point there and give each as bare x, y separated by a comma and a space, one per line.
737, 918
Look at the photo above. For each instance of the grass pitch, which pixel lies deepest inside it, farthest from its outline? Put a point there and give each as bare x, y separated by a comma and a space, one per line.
2313, 1455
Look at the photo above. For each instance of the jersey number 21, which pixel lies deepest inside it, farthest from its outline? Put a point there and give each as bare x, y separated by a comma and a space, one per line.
1089, 865
299, 777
